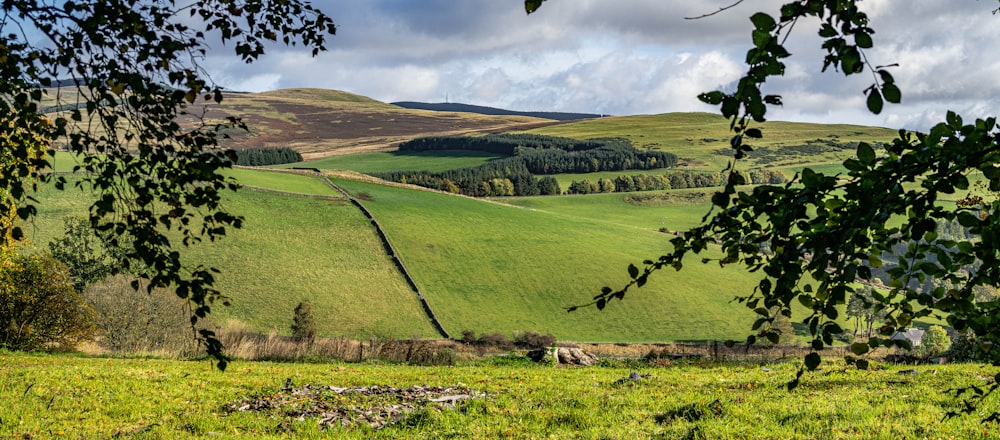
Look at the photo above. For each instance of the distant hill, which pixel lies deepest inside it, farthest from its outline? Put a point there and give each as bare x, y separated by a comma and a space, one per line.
491, 111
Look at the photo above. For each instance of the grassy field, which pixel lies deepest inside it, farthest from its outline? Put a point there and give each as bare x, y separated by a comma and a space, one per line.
697, 138
291, 249
400, 160
650, 210
76, 397
491, 267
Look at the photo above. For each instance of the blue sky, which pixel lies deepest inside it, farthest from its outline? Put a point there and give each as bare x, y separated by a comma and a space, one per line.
627, 57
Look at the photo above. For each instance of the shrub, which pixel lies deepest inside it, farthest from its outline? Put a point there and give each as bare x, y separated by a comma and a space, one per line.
131, 321
496, 340
533, 340
934, 343
39, 308
304, 325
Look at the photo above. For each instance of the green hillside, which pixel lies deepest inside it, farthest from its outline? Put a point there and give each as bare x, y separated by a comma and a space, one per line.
702, 139
291, 249
490, 267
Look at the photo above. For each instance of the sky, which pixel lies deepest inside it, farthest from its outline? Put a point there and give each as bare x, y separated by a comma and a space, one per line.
627, 57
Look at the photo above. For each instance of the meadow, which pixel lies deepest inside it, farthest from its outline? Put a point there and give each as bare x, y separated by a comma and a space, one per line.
699, 138
56, 396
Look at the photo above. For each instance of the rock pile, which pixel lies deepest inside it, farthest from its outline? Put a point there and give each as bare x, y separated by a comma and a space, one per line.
374, 406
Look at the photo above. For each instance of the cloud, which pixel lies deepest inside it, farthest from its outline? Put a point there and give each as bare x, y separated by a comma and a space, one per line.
631, 57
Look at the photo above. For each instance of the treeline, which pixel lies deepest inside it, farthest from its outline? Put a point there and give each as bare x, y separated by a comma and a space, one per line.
528, 155
506, 144
675, 180
256, 157
497, 178
553, 155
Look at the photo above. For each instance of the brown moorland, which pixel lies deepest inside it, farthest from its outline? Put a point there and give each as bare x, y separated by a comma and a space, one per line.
319, 123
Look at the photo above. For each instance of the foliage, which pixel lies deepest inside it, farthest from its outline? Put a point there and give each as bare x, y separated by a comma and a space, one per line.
88, 258
133, 66
529, 155
934, 343
131, 321
38, 307
674, 180
304, 323
533, 340
256, 157
823, 233
865, 310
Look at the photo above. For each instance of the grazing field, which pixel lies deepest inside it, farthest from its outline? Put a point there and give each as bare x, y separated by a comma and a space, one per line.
701, 140
651, 210
50, 396
491, 267
400, 160
291, 249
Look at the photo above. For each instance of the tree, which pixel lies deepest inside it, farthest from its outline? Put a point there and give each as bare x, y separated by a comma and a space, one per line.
934, 343
825, 232
38, 306
134, 67
88, 258
304, 323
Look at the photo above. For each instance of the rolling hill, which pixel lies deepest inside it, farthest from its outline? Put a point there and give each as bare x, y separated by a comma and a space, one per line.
320, 123
484, 265
469, 108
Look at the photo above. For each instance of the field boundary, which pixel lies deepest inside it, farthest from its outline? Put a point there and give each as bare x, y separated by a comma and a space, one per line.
395, 258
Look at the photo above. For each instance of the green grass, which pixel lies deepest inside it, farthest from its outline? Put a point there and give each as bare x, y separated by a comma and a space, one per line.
433, 161
695, 137
280, 181
291, 249
59, 396
650, 210
491, 267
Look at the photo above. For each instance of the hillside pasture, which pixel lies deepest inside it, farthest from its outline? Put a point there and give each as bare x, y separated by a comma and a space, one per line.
492, 267
700, 138
290, 249
432, 161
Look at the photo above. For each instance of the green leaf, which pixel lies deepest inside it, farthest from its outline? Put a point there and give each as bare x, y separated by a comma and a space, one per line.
954, 120
863, 40
763, 22
633, 271
862, 364
891, 93
827, 31
859, 348
866, 154
875, 101
532, 5
812, 361
712, 98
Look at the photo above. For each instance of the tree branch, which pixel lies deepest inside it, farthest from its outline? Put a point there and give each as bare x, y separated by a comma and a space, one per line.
716, 12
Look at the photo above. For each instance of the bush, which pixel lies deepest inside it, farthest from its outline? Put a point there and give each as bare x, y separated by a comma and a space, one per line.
131, 321
934, 343
533, 341
304, 325
496, 340
39, 308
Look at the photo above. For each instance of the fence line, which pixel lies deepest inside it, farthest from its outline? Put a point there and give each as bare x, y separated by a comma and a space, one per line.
395, 258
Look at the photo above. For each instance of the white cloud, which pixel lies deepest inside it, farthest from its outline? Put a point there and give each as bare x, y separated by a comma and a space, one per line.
632, 56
